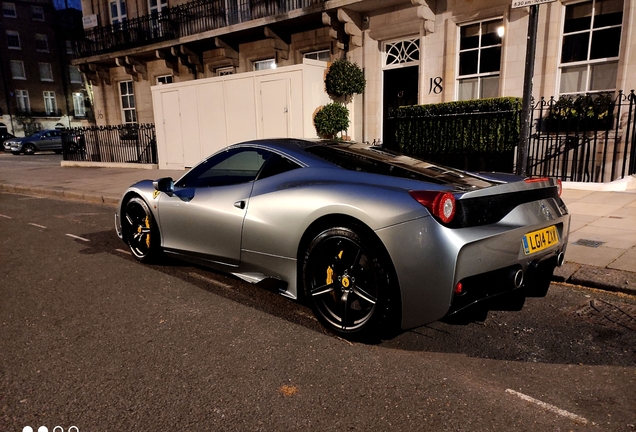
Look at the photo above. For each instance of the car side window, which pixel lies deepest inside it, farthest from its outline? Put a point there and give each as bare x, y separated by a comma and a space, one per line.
276, 164
230, 167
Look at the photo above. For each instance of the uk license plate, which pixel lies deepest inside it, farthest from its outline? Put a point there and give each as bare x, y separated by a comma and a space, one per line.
539, 240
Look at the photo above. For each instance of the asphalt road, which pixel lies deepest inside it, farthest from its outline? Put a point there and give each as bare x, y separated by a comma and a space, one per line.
91, 338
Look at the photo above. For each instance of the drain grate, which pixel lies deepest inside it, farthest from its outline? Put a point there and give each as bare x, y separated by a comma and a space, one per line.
609, 314
588, 243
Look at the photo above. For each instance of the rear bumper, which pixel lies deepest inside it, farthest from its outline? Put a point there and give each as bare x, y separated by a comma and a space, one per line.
431, 259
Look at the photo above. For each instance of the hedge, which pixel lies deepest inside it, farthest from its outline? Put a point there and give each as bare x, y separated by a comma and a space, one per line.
475, 126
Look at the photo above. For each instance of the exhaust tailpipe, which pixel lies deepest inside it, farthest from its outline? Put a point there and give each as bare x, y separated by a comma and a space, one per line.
560, 259
516, 277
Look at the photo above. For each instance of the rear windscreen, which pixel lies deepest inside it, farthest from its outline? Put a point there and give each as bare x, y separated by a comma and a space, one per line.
378, 161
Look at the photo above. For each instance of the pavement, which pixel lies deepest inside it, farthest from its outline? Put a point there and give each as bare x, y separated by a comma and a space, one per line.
602, 246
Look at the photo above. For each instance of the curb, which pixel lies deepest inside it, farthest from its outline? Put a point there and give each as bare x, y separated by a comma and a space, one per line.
61, 194
602, 278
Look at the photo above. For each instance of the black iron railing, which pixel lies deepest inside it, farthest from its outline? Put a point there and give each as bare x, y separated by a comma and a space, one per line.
178, 21
132, 143
584, 139
32, 113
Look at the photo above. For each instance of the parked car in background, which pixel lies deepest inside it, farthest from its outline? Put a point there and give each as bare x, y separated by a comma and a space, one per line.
45, 140
369, 238
4, 135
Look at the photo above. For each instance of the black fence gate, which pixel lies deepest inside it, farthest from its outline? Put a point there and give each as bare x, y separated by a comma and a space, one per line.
585, 139
131, 143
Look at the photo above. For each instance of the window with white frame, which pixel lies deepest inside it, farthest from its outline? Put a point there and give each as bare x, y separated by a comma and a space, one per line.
225, 71
164, 79
118, 11
75, 74
37, 13
50, 105
22, 100
322, 55
17, 70
590, 46
8, 10
78, 104
13, 39
128, 111
41, 43
46, 73
264, 64
479, 59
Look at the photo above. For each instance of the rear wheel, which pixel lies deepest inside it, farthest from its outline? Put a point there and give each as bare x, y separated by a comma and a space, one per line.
346, 281
140, 230
29, 149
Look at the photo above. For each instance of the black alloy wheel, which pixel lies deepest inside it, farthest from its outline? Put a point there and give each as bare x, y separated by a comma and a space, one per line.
346, 281
29, 149
140, 231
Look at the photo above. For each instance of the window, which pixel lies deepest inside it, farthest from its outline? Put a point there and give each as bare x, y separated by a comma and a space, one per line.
13, 39
69, 47
225, 71
322, 55
75, 75
264, 64
235, 166
37, 13
17, 70
50, 106
480, 60
78, 104
8, 10
157, 6
129, 114
46, 73
22, 100
165, 79
41, 43
117, 11
590, 47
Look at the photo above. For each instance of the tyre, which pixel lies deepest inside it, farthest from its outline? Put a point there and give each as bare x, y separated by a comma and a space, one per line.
346, 279
140, 230
28, 149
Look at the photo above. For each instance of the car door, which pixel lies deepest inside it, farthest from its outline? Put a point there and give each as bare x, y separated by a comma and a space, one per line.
204, 216
45, 142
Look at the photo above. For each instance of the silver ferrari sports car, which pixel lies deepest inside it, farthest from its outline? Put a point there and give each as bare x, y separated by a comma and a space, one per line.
369, 238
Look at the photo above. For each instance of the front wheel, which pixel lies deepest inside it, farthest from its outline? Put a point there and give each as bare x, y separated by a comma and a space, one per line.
140, 230
346, 280
29, 149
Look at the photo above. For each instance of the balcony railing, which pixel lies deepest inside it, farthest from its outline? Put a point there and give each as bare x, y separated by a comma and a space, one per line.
31, 113
179, 21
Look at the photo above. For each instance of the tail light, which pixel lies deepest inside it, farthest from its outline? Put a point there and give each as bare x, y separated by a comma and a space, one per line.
440, 204
545, 179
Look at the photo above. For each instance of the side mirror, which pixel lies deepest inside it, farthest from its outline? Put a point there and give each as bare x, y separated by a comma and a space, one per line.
165, 184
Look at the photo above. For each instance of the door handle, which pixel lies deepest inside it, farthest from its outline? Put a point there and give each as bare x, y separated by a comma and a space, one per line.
240, 204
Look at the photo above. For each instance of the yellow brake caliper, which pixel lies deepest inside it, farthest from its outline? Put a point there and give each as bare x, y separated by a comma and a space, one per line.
330, 276
148, 235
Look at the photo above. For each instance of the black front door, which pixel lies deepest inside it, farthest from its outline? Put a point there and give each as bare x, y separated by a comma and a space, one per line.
400, 89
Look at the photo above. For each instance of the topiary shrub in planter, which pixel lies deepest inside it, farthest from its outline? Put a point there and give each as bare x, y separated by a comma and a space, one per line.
344, 79
331, 119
